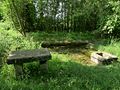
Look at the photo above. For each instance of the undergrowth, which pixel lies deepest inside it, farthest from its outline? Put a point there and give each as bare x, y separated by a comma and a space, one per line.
64, 73
113, 47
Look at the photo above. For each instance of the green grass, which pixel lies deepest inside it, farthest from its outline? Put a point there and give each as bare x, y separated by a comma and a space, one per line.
69, 68
60, 36
113, 47
67, 75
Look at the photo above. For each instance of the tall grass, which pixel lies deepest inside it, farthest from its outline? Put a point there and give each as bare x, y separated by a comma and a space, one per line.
68, 76
113, 47
61, 36
64, 73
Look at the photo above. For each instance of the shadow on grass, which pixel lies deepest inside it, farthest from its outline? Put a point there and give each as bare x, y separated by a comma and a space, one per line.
71, 75
67, 76
60, 36
78, 54
70, 50
71, 36
100, 42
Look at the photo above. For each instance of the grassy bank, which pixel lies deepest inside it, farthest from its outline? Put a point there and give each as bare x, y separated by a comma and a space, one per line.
69, 68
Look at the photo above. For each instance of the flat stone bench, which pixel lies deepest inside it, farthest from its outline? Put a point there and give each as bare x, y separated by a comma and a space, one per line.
18, 58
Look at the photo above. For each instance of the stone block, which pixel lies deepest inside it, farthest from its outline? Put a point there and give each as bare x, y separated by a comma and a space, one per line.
103, 57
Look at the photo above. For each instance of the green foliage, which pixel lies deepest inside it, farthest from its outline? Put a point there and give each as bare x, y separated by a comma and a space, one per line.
1, 11
1, 16
53, 15
60, 36
112, 47
22, 14
112, 19
11, 40
69, 76
64, 72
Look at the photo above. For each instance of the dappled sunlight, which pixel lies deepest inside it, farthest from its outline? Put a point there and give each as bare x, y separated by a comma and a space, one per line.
70, 67
76, 54
72, 32
60, 36
113, 48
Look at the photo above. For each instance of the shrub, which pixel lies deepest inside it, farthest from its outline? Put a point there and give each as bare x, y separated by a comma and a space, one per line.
111, 26
11, 40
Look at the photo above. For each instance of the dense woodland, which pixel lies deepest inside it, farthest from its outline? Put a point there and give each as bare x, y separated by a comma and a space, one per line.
61, 26
101, 16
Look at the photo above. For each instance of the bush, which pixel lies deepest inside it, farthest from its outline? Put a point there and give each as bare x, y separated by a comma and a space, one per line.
11, 40
111, 26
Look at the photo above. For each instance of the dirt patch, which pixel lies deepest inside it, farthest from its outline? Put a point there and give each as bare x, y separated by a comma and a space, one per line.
79, 55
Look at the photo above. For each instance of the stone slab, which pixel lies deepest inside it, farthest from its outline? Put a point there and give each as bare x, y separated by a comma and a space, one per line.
103, 57
24, 56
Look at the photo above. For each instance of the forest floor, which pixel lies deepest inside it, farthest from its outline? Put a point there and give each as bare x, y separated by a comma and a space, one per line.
79, 54
69, 68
